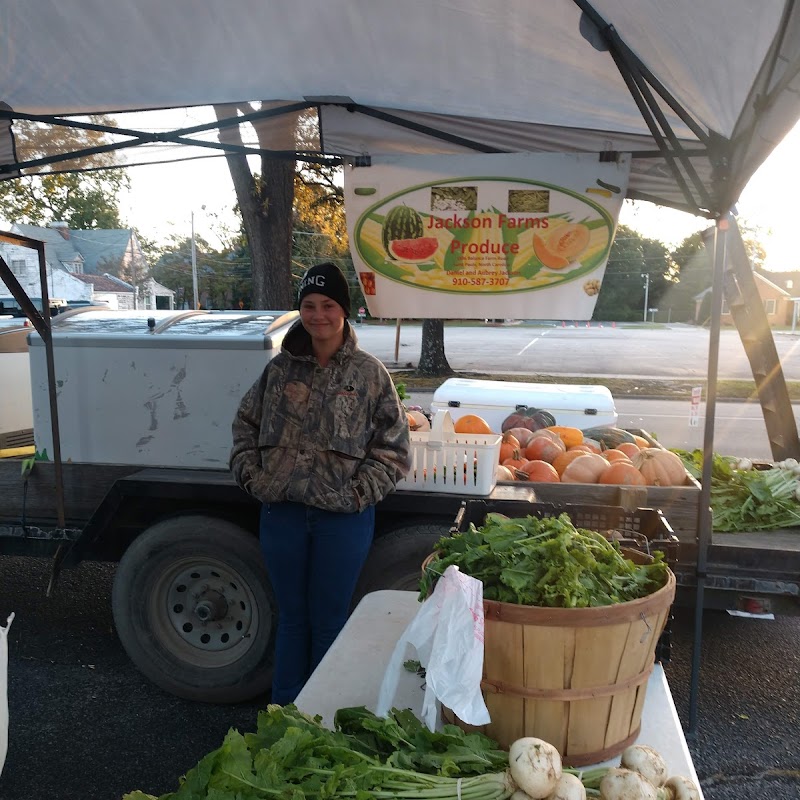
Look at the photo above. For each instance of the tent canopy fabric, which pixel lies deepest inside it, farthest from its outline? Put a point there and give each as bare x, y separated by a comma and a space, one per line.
699, 93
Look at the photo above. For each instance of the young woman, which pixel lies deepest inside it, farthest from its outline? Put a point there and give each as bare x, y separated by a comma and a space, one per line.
319, 439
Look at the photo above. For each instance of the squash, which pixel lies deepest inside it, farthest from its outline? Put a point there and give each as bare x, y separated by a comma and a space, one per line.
568, 435
609, 436
660, 467
585, 469
622, 473
471, 423
528, 417
502, 473
560, 462
616, 455
641, 441
629, 448
522, 435
417, 421
543, 449
509, 445
540, 471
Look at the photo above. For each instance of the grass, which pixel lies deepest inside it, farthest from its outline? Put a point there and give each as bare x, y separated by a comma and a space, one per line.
619, 387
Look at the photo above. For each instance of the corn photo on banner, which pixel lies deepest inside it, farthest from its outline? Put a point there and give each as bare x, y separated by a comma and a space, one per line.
513, 236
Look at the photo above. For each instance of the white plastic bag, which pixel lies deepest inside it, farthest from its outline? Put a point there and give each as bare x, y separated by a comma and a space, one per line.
447, 634
3, 691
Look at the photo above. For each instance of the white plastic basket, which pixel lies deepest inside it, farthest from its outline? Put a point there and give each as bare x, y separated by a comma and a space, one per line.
456, 463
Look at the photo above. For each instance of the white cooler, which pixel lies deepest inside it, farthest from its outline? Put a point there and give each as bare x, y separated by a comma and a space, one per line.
577, 406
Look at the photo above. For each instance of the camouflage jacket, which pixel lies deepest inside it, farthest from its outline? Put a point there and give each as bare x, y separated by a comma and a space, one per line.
333, 437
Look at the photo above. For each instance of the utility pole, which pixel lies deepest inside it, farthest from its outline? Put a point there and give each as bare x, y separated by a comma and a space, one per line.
194, 268
646, 276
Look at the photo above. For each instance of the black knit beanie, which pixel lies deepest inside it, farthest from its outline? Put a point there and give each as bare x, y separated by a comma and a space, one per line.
326, 279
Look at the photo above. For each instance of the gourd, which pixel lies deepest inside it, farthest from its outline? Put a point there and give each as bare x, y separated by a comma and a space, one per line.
540, 471
544, 449
584, 469
570, 436
471, 423
660, 467
609, 437
622, 473
528, 417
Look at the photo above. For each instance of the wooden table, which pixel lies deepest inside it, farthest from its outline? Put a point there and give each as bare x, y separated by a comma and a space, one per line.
351, 673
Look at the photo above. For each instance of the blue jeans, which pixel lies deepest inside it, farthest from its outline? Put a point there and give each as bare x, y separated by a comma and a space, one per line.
313, 558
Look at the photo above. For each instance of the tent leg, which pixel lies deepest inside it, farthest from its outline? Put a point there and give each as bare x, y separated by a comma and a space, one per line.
704, 521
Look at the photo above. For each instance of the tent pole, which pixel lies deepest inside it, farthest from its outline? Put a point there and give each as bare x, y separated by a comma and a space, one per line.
704, 521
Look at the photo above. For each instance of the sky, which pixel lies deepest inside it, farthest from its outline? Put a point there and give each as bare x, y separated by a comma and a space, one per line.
163, 198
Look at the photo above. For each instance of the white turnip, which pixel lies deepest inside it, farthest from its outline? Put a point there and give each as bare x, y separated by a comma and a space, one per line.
647, 762
535, 766
682, 788
625, 784
568, 787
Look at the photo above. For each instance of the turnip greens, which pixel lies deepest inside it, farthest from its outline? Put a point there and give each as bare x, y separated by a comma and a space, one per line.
544, 562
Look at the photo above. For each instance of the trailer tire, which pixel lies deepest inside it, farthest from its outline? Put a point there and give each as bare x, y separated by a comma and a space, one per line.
396, 557
194, 609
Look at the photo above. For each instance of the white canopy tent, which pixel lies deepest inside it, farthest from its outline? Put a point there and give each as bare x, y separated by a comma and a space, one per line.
698, 92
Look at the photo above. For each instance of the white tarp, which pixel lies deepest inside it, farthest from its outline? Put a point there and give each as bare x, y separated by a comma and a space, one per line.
516, 74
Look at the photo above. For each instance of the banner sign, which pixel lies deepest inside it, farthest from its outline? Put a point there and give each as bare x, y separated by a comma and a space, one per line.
513, 236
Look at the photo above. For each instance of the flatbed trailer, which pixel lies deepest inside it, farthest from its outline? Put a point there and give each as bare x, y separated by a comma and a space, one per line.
191, 598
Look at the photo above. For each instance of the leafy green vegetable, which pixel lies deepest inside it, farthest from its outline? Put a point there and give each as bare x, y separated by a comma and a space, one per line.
291, 756
544, 562
746, 499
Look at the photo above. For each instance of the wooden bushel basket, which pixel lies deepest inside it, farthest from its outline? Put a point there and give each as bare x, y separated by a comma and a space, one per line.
575, 677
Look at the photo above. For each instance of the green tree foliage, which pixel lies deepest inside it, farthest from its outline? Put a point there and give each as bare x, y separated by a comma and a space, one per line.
83, 200
634, 256
694, 277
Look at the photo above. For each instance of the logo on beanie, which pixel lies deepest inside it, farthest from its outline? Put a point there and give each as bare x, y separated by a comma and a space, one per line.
313, 280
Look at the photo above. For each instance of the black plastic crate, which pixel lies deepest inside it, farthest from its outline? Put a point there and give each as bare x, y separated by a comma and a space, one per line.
644, 529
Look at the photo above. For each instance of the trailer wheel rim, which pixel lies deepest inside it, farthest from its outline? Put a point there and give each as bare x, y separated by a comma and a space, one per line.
204, 612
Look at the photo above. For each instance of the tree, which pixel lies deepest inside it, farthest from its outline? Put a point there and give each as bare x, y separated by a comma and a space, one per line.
265, 203
83, 200
633, 257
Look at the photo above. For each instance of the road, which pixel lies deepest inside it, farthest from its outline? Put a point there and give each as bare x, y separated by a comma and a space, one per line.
670, 351
679, 351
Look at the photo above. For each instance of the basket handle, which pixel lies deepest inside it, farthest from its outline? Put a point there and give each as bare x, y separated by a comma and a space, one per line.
441, 428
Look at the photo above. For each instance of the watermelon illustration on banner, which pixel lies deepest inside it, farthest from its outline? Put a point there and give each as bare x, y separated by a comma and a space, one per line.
515, 236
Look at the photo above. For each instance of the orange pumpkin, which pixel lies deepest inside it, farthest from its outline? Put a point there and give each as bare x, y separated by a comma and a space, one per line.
641, 441
514, 463
522, 435
560, 462
660, 467
622, 473
509, 445
629, 448
547, 433
502, 473
471, 423
585, 469
570, 436
615, 455
540, 471
593, 445
543, 449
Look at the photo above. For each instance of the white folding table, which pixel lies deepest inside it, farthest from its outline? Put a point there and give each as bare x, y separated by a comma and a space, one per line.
351, 673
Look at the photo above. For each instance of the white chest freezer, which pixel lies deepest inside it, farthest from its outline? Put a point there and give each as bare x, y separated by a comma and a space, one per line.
578, 406
151, 388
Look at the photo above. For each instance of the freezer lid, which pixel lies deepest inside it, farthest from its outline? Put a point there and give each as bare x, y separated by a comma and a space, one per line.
555, 397
158, 328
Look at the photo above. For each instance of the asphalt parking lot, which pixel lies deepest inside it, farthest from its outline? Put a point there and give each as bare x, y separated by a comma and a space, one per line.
85, 725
